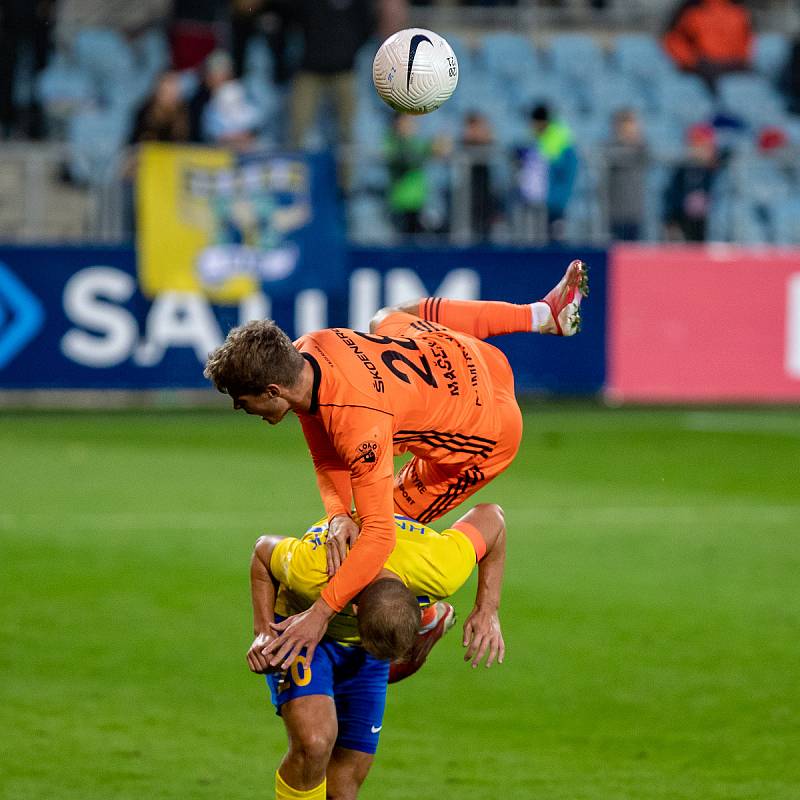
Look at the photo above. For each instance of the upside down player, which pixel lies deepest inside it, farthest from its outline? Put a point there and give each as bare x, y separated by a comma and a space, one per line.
332, 705
421, 381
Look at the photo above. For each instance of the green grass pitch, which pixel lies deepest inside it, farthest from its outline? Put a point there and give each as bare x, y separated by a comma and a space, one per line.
651, 613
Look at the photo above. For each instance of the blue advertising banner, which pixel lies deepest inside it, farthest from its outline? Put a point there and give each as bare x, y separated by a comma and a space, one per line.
76, 318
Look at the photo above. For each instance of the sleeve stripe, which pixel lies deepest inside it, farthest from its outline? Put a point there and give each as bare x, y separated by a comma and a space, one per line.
474, 535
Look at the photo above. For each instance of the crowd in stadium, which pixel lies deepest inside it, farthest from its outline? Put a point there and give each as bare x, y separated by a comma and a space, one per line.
689, 134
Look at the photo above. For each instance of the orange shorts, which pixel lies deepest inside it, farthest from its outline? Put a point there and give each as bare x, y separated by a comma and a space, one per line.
425, 490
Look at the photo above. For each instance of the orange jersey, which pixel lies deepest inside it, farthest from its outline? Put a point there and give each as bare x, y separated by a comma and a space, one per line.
431, 392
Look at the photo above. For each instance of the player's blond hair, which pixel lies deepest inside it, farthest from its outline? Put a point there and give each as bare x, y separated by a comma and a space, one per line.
388, 619
252, 357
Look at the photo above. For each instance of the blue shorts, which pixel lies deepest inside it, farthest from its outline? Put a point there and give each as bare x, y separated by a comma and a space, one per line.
354, 679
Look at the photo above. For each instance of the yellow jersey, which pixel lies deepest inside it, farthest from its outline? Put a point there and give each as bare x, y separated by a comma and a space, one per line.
433, 565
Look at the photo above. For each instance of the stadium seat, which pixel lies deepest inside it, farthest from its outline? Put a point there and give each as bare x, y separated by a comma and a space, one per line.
664, 135
369, 222
640, 56
265, 98
258, 58
613, 91
752, 98
62, 88
576, 56
786, 217
105, 56
684, 97
95, 141
509, 57
770, 54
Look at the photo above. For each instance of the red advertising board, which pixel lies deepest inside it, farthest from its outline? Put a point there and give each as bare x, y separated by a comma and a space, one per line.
705, 324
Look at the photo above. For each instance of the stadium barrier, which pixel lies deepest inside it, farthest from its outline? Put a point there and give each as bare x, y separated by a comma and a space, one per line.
685, 324
694, 324
78, 318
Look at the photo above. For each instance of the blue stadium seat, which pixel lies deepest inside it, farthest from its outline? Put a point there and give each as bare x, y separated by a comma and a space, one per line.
369, 221
612, 91
95, 142
62, 87
685, 97
664, 135
258, 58
264, 96
752, 98
770, 54
786, 218
640, 55
106, 57
575, 55
509, 57
557, 91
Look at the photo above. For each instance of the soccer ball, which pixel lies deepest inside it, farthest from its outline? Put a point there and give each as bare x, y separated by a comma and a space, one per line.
415, 71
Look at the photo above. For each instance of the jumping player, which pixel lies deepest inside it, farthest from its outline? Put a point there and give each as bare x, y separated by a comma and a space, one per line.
421, 381
332, 705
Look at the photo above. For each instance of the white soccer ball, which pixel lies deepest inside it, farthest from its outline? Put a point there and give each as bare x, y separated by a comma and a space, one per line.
415, 71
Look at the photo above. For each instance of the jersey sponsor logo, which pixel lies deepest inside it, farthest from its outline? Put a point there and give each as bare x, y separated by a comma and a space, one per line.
416, 41
377, 380
367, 453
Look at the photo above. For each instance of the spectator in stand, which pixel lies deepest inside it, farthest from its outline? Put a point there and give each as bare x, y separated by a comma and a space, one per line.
333, 32
164, 117
627, 158
478, 137
220, 111
406, 154
547, 170
789, 81
251, 18
22, 24
687, 201
710, 38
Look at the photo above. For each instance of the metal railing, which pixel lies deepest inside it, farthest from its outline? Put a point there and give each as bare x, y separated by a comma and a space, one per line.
756, 199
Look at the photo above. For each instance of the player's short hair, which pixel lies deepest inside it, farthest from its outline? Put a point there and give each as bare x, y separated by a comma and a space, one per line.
252, 357
388, 619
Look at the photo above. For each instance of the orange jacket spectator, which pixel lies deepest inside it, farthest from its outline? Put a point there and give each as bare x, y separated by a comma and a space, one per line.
718, 32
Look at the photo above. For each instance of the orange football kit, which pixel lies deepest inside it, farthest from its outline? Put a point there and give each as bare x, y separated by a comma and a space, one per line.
426, 384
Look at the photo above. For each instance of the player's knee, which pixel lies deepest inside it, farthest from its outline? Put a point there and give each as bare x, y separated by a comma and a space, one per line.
387, 311
379, 317
313, 748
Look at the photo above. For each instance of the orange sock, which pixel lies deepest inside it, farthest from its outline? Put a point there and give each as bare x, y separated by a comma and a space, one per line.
479, 318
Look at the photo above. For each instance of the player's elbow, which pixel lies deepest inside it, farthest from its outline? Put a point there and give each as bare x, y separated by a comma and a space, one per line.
262, 550
493, 525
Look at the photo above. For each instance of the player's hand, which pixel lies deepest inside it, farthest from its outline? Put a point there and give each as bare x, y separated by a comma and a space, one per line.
256, 660
298, 632
483, 637
342, 534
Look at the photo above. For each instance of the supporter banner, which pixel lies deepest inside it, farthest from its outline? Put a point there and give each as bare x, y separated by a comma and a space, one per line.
78, 318
224, 224
704, 324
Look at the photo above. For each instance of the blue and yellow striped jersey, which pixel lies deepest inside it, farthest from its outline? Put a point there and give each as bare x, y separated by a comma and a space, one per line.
433, 565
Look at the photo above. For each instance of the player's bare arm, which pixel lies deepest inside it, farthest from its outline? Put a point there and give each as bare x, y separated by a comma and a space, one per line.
263, 590
482, 633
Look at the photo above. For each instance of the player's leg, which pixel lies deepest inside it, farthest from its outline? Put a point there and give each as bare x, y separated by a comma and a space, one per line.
303, 697
425, 490
360, 693
311, 728
347, 770
557, 313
